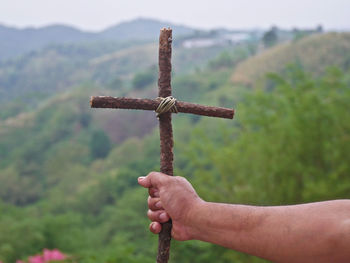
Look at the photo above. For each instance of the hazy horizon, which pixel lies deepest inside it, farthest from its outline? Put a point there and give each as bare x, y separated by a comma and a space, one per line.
205, 14
161, 20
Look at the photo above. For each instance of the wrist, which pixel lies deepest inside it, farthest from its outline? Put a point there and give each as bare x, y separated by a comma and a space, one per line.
195, 218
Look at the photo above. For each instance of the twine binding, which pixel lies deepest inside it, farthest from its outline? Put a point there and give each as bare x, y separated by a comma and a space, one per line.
166, 105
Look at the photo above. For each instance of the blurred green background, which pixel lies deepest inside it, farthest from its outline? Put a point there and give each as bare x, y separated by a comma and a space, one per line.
68, 173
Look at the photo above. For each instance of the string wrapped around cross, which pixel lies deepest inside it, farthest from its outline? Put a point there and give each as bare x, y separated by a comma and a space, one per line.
164, 106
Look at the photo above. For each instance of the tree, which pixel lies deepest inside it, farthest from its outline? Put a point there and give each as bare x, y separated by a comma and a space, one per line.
100, 144
289, 145
143, 79
270, 37
116, 84
319, 29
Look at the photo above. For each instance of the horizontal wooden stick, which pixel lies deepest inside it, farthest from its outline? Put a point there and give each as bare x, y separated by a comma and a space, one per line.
149, 104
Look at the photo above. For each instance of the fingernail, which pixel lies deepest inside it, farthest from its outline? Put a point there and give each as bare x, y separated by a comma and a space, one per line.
158, 204
163, 216
141, 178
154, 226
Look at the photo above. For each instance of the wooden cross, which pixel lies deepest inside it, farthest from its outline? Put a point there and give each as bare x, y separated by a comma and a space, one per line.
165, 127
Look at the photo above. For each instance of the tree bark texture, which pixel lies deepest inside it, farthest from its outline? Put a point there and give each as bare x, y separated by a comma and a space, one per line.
152, 104
166, 133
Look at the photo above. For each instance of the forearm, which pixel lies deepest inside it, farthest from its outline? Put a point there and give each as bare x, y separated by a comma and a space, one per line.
316, 232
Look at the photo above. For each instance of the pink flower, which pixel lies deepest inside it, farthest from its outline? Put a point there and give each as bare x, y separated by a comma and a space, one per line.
36, 259
54, 254
46, 257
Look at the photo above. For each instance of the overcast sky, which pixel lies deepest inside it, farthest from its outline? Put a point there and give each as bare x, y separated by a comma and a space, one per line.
99, 14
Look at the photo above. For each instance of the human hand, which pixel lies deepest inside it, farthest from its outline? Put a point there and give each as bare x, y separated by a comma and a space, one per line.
171, 197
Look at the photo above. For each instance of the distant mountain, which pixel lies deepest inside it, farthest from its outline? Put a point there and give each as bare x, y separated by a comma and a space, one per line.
142, 29
14, 42
41, 74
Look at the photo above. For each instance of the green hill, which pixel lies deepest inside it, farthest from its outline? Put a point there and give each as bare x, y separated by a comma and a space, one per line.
314, 53
68, 173
30, 79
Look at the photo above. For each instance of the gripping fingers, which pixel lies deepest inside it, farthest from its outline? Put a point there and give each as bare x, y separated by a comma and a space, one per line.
154, 203
155, 227
158, 216
153, 192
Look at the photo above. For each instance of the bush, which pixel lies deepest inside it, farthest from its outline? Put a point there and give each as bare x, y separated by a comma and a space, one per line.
143, 79
100, 144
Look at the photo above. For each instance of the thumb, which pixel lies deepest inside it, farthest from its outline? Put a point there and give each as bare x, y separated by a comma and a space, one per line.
153, 179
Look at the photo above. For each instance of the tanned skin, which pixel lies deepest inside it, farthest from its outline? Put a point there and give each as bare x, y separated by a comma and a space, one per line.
315, 232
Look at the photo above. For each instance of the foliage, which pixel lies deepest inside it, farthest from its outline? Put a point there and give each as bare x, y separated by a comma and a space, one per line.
100, 144
66, 183
230, 59
314, 53
270, 37
143, 79
27, 80
299, 130
115, 84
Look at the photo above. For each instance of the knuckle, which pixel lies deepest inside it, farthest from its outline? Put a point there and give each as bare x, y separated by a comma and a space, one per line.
152, 192
152, 203
150, 173
153, 174
149, 213
180, 179
151, 227
153, 215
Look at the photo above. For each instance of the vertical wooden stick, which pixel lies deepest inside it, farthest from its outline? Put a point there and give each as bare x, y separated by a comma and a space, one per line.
166, 133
